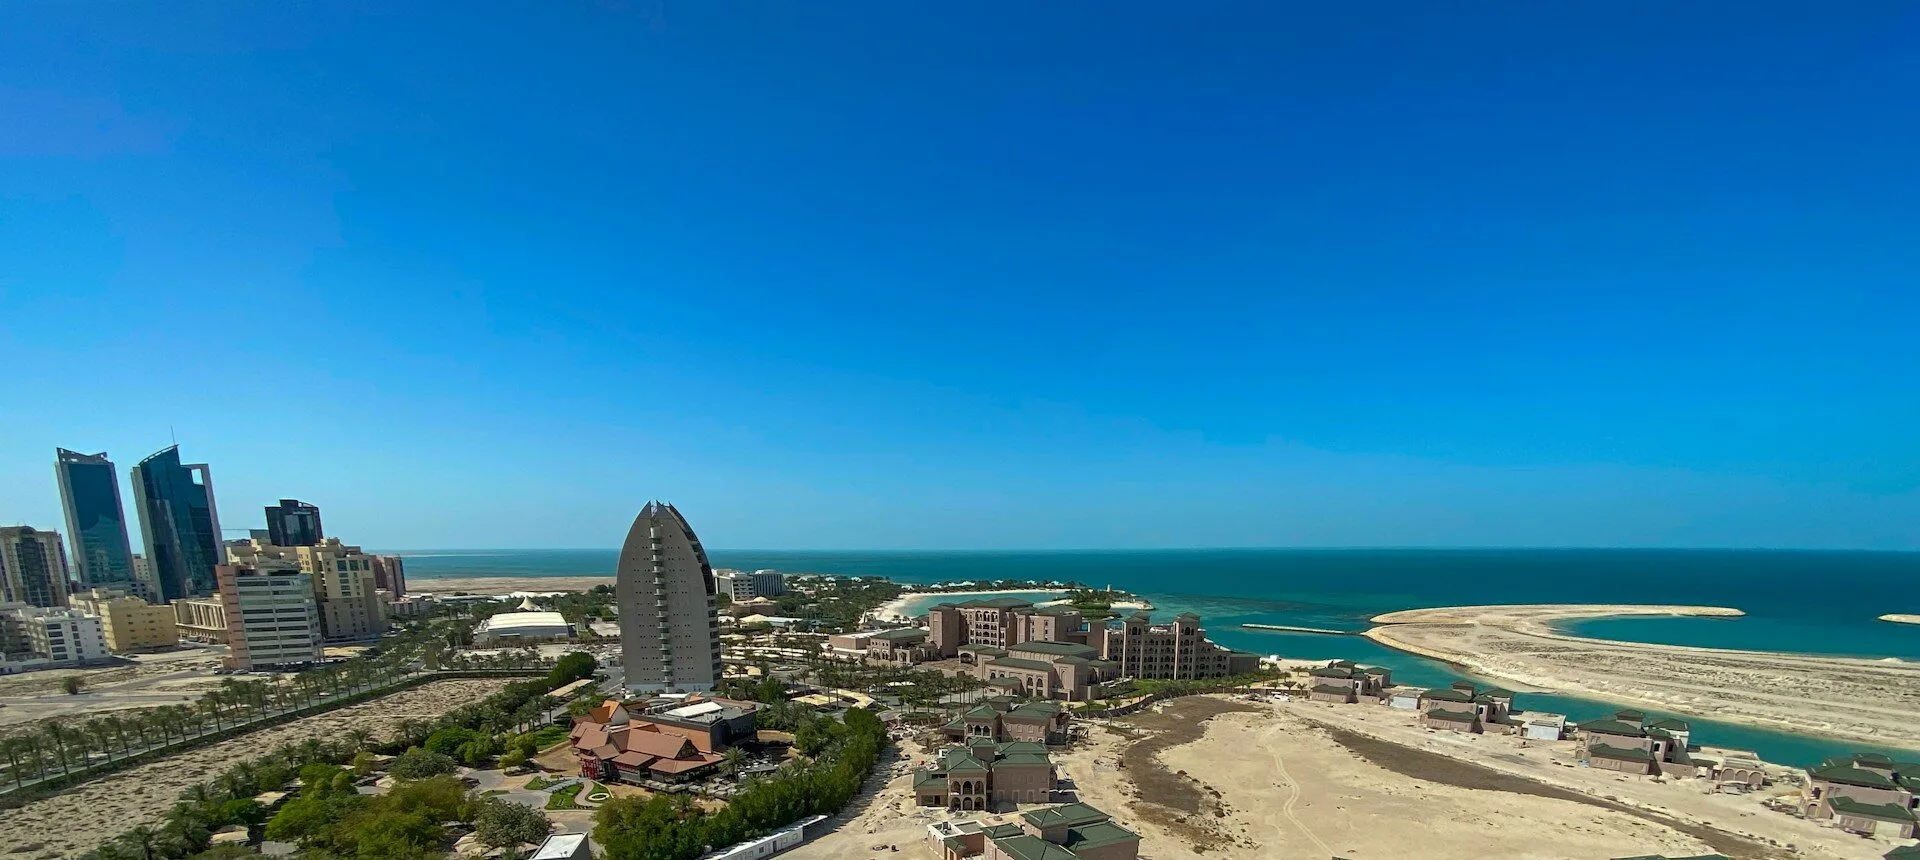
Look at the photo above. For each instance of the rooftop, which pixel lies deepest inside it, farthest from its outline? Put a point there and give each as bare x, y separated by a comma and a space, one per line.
560, 847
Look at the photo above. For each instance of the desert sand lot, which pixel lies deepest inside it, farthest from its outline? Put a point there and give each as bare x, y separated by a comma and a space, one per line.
75, 821
1874, 701
1210, 777
174, 677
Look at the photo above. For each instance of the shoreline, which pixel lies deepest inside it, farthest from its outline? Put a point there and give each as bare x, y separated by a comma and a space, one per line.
895, 609
499, 585
1899, 618
1848, 698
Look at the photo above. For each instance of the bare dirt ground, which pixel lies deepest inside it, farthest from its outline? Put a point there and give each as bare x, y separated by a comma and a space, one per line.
75, 821
1687, 805
136, 681
1877, 701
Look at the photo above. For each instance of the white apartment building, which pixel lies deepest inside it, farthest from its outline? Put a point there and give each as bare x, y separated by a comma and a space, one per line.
741, 585
272, 617
37, 637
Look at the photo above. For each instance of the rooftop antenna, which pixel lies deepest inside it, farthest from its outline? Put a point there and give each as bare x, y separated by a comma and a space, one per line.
171, 435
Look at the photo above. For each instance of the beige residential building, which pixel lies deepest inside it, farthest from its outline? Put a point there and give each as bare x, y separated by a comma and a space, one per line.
1000, 622
1180, 650
1072, 832
200, 619
272, 619
344, 582
983, 774
129, 623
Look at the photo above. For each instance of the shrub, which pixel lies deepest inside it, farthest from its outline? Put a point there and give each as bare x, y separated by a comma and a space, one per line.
417, 763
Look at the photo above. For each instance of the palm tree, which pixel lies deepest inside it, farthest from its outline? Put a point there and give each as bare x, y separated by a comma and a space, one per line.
63, 739
142, 839
15, 749
359, 737
211, 702
102, 735
735, 759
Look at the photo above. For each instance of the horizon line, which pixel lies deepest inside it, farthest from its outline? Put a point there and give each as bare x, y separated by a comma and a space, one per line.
1242, 548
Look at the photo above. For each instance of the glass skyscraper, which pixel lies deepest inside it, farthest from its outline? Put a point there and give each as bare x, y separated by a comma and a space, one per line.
179, 522
96, 521
294, 523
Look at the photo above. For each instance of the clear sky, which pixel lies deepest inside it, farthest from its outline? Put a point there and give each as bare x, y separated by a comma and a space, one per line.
898, 275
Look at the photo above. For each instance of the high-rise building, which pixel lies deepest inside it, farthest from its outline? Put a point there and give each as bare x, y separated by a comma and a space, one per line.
96, 521
179, 523
294, 523
129, 623
390, 575
271, 616
343, 583
669, 637
143, 585
33, 567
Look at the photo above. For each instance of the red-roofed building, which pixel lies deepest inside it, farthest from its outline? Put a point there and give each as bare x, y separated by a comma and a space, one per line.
613, 743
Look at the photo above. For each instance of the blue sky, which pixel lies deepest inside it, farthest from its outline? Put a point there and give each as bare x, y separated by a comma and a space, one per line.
879, 275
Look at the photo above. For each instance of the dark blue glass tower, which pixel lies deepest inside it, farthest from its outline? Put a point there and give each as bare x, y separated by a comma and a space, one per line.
96, 521
179, 522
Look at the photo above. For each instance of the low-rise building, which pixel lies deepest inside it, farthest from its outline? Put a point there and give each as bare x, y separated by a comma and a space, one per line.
272, 617
130, 624
1628, 742
200, 619
902, 646
1466, 707
1044, 670
612, 742
1346, 682
39, 637
1864, 793
523, 626
982, 774
1004, 718
1072, 832
741, 585
345, 590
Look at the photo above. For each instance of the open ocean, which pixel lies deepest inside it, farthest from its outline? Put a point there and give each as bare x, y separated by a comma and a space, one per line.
1816, 602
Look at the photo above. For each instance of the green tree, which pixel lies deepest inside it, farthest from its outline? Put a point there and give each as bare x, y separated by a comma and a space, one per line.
500, 823
571, 667
417, 763
73, 684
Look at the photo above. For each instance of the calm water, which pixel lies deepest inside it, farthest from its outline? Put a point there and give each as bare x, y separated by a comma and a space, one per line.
1341, 589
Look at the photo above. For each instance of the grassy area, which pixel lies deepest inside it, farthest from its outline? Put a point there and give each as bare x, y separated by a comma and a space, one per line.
539, 782
547, 736
563, 798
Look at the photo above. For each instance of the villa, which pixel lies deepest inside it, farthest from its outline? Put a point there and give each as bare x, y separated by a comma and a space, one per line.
1344, 682
1862, 792
1465, 707
903, 646
1072, 832
1630, 743
982, 774
1045, 670
1002, 719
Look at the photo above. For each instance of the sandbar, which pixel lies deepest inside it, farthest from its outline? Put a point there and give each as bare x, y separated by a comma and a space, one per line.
1860, 699
1898, 618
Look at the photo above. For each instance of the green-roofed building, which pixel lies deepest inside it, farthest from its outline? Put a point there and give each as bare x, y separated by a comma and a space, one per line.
1006, 719
1865, 793
1075, 831
984, 775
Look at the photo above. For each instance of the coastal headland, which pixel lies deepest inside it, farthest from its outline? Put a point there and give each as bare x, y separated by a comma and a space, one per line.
1858, 699
1898, 618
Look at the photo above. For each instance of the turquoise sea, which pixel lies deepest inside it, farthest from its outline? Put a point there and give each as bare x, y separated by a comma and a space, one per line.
1818, 602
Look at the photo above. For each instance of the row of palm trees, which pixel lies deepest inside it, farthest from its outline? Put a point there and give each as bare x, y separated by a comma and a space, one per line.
55, 749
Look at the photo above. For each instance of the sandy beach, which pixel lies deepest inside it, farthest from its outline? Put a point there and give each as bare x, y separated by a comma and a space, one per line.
1874, 701
1901, 619
71, 822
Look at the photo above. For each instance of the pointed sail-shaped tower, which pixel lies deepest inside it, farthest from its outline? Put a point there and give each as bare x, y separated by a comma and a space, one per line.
669, 638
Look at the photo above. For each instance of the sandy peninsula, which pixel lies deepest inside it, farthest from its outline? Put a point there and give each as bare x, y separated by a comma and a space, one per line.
1901, 619
1874, 701
496, 585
